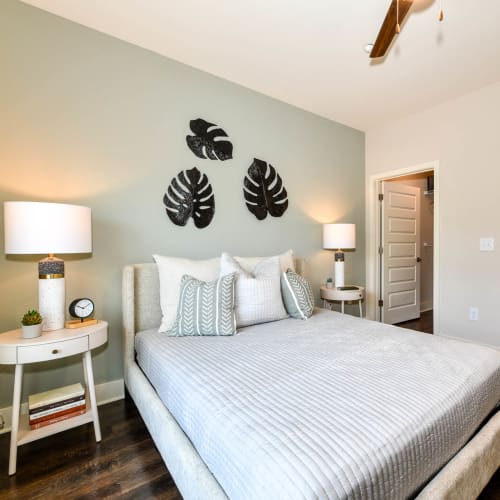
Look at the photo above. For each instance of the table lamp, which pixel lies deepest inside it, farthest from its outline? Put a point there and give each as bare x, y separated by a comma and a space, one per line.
48, 228
339, 237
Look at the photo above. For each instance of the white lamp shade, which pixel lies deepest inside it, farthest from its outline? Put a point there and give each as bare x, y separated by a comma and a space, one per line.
339, 236
46, 228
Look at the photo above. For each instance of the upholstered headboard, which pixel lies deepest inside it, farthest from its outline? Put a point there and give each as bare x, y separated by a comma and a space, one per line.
141, 295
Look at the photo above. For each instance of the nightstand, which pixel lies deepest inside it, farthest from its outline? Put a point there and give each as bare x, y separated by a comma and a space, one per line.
14, 350
331, 295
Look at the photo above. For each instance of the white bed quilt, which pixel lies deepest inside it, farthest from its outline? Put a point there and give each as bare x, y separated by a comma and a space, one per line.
333, 407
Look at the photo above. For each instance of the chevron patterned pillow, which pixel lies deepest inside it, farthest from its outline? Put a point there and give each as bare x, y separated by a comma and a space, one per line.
297, 295
205, 308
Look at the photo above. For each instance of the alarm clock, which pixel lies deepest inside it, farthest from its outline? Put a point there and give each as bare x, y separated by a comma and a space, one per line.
82, 309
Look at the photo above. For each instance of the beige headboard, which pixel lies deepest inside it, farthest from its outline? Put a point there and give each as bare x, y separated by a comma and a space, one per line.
141, 296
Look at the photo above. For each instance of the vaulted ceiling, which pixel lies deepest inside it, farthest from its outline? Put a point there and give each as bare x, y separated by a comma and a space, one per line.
309, 53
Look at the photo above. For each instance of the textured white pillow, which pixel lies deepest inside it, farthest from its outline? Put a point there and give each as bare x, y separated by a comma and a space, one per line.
171, 270
249, 263
258, 295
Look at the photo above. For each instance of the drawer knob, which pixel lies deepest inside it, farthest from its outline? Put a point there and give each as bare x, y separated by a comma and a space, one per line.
55, 351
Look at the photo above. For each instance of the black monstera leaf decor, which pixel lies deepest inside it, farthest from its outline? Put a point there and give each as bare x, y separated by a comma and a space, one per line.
264, 191
208, 141
190, 195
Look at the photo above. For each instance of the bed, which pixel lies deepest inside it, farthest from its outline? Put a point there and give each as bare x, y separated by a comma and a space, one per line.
361, 453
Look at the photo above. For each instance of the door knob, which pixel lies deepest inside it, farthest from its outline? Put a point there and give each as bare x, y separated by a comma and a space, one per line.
419, 259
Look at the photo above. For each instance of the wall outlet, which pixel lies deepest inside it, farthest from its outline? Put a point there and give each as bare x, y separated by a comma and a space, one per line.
486, 244
473, 313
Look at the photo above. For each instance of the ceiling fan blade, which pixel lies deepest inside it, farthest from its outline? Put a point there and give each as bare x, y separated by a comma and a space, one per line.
388, 28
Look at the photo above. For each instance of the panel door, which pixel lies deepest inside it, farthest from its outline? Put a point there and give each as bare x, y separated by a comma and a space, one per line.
401, 244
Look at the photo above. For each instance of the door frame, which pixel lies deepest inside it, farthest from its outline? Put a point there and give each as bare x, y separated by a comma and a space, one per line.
373, 237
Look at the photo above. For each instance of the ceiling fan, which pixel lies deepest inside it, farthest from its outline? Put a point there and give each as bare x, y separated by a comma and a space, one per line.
398, 9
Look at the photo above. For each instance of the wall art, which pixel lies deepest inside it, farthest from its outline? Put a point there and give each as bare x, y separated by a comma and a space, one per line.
208, 141
190, 195
264, 191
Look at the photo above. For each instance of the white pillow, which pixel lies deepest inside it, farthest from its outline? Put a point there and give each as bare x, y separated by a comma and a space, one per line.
249, 263
171, 270
258, 295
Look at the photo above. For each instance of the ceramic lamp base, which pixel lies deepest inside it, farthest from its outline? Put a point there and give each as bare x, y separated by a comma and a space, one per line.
51, 293
339, 274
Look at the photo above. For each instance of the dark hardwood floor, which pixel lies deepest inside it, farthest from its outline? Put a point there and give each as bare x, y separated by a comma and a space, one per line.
71, 465
422, 324
125, 464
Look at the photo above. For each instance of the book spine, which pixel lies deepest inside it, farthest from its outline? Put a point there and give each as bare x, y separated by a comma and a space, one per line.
56, 405
56, 409
50, 416
57, 419
55, 395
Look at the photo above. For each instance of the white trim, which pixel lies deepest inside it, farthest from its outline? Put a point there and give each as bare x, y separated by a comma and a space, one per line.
425, 306
372, 236
105, 393
469, 341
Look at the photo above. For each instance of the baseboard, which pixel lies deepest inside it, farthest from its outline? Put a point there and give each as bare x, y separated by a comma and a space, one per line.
110, 391
426, 306
469, 341
105, 393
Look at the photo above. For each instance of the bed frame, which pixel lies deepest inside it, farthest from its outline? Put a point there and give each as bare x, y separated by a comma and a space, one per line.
463, 477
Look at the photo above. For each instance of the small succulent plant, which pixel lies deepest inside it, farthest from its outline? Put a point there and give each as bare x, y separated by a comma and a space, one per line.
329, 280
31, 318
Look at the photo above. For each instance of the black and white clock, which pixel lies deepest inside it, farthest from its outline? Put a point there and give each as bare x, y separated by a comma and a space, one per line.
81, 308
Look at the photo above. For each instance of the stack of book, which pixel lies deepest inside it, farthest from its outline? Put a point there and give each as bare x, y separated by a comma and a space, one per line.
53, 406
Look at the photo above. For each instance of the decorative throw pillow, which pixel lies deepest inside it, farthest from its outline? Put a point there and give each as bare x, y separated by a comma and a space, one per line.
258, 295
205, 308
249, 263
297, 295
171, 270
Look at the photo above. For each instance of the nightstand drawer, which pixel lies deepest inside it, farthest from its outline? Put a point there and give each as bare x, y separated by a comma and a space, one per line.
53, 350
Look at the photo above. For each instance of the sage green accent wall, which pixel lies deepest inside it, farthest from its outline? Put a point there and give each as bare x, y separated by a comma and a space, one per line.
91, 120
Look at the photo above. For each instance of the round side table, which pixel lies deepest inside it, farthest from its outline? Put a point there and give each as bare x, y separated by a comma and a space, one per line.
14, 350
330, 295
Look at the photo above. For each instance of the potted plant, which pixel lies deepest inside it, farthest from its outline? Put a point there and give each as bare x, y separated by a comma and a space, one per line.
329, 282
31, 324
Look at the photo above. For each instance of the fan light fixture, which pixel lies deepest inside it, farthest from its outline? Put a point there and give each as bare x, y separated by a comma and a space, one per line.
398, 9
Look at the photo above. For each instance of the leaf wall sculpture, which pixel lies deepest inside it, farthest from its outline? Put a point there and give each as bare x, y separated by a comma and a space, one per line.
264, 191
190, 195
208, 141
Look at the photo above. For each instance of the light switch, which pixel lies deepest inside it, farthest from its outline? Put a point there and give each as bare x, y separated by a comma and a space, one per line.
486, 244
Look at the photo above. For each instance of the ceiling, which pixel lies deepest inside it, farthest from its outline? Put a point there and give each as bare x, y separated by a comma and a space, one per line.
309, 53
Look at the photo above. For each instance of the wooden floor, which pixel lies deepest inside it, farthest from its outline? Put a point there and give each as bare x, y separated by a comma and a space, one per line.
71, 465
422, 324
125, 464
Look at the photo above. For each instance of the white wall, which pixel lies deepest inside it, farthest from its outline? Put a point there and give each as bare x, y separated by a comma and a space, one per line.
464, 136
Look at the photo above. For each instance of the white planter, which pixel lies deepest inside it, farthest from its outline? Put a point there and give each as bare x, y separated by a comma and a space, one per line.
329, 284
31, 331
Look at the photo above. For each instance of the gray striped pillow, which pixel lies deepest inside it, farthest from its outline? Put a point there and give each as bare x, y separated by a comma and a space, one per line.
205, 308
297, 295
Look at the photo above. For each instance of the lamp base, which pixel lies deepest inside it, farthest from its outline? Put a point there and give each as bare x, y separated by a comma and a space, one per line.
339, 274
339, 269
51, 293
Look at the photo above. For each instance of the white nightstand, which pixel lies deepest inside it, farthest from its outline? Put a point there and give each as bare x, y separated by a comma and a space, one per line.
330, 295
14, 350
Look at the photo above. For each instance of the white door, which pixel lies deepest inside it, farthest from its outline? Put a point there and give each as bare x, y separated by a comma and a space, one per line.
400, 252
